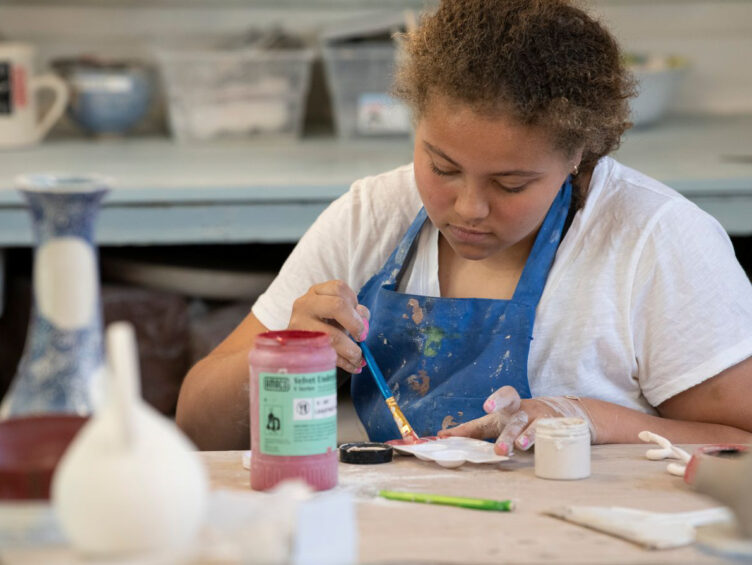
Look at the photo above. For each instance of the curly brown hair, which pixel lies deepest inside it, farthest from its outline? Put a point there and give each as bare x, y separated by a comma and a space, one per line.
542, 62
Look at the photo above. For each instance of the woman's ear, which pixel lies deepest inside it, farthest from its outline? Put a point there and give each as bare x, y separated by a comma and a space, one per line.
575, 160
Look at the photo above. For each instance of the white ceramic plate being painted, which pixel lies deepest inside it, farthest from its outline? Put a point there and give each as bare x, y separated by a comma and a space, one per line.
453, 451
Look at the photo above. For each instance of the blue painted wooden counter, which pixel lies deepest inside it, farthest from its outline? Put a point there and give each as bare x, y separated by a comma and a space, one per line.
271, 191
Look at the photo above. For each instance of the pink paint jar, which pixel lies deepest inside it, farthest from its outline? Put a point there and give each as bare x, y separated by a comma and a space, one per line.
293, 409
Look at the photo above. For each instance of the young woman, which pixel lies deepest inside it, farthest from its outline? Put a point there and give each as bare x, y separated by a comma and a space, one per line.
513, 270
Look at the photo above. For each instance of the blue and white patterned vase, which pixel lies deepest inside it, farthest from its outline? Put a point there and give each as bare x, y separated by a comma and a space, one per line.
62, 367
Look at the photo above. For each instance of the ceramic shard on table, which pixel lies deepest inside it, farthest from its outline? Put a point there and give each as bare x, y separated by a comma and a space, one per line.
61, 370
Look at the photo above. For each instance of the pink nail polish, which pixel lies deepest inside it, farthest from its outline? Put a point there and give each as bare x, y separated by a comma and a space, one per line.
362, 362
503, 448
524, 442
489, 406
364, 334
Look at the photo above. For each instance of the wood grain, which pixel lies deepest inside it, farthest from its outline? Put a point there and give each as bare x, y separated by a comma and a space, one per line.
416, 533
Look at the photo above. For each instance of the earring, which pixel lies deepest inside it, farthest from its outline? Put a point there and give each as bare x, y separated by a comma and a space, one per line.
576, 170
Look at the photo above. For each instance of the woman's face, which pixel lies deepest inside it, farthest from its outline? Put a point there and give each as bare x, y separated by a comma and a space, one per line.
486, 183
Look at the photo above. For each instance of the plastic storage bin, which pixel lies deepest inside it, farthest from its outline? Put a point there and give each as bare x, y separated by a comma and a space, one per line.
359, 76
235, 93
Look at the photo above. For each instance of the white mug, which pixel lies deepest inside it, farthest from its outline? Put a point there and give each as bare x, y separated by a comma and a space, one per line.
20, 124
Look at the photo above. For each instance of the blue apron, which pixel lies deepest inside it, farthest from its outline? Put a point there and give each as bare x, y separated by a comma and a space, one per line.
442, 357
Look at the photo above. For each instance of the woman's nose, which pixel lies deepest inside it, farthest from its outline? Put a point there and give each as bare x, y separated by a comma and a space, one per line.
471, 202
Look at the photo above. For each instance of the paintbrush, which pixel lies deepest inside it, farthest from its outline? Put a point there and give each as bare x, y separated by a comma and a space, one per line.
399, 418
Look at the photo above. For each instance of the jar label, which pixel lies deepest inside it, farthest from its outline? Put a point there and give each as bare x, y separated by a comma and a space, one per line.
298, 413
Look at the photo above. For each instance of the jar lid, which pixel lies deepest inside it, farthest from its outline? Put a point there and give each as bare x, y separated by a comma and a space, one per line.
365, 453
561, 427
294, 338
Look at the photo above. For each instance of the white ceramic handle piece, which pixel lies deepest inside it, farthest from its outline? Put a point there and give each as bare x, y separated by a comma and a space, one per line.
676, 469
668, 449
659, 454
60, 89
122, 358
650, 437
681, 455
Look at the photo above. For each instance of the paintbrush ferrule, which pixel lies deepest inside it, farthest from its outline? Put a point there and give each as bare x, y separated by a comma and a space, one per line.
406, 430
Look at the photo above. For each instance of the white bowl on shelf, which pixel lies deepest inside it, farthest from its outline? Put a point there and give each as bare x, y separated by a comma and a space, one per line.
658, 78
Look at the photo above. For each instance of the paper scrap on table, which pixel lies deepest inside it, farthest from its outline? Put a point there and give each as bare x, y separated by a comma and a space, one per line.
289, 524
654, 530
326, 530
316, 517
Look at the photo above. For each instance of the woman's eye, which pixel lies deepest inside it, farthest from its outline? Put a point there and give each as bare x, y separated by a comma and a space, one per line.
512, 189
441, 172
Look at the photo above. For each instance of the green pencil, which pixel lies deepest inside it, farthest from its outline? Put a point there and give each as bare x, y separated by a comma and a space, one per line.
462, 502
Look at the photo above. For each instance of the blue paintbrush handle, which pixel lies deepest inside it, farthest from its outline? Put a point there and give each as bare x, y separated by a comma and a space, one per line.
406, 430
375, 371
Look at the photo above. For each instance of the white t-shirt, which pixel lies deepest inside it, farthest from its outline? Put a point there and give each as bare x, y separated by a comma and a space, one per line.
644, 300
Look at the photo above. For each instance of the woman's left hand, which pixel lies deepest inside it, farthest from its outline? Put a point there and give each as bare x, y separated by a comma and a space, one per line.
512, 420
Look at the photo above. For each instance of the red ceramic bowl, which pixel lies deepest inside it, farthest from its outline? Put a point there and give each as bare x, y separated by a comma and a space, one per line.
30, 448
725, 450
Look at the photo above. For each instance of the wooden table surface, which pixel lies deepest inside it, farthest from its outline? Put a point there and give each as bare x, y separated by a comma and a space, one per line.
404, 532
400, 532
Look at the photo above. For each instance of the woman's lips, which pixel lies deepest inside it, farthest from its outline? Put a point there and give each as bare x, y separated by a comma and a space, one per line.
467, 235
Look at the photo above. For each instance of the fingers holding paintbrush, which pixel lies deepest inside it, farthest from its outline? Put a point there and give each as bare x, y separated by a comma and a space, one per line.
332, 307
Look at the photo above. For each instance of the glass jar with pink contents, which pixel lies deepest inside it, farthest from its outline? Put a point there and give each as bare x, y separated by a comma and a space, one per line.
293, 409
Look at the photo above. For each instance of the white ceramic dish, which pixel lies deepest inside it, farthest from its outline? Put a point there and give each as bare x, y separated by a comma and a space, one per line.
453, 451
658, 78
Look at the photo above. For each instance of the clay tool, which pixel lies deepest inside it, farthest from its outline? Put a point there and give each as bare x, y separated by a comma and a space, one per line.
406, 430
459, 501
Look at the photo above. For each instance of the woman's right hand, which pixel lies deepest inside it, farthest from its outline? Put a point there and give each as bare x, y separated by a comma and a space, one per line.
332, 307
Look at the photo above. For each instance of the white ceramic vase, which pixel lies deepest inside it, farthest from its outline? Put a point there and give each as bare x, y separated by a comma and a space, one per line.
130, 483
61, 370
